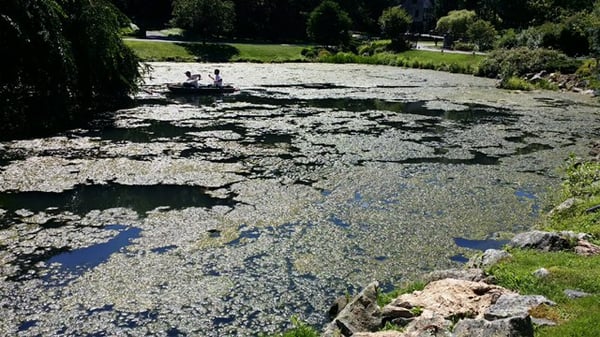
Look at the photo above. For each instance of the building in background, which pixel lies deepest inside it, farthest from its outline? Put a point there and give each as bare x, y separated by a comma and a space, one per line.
422, 14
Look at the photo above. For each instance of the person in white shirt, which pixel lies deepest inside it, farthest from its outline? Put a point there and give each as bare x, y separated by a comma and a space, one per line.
217, 80
192, 80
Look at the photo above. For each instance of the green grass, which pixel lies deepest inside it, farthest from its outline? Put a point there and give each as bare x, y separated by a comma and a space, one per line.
150, 51
576, 317
215, 52
268, 53
439, 57
567, 271
582, 182
300, 329
421, 59
516, 83
272, 53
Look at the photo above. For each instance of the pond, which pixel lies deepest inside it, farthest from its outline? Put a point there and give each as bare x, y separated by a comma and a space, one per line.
226, 216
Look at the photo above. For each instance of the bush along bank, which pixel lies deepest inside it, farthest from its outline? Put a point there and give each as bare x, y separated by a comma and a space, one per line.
544, 283
516, 69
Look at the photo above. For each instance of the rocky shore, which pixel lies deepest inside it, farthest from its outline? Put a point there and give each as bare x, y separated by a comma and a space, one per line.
459, 302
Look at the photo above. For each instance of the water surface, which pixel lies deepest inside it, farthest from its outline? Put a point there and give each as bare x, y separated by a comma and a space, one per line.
221, 216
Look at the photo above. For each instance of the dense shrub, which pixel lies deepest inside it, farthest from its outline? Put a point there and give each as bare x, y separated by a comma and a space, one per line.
569, 36
520, 61
374, 47
507, 40
464, 46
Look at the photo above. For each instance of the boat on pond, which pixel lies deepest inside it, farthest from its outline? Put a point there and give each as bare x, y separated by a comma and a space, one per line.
181, 89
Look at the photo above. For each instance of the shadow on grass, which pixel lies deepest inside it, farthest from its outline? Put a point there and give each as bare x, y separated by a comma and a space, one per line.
211, 52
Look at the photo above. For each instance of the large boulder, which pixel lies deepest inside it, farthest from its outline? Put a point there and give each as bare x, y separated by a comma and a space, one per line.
546, 241
361, 314
469, 274
512, 304
452, 298
516, 326
489, 258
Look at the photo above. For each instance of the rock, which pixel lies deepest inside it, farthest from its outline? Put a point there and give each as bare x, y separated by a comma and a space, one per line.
489, 258
586, 248
338, 305
570, 293
575, 236
452, 298
470, 274
547, 241
361, 314
380, 334
593, 209
564, 206
517, 326
541, 273
429, 324
509, 305
542, 322
538, 77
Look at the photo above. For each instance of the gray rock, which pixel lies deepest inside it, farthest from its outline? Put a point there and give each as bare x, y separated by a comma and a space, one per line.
338, 305
516, 326
547, 241
471, 274
542, 322
564, 206
541, 273
489, 258
570, 293
509, 305
361, 314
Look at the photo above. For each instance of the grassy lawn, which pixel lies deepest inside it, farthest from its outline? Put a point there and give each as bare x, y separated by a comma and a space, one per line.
270, 53
160, 51
211, 52
439, 57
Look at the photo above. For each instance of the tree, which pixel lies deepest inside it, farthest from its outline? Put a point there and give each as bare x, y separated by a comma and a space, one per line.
456, 23
207, 18
64, 60
394, 22
482, 33
328, 24
594, 33
146, 14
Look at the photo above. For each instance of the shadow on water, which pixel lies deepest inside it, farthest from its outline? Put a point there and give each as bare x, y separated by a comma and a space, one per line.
140, 198
143, 133
473, 113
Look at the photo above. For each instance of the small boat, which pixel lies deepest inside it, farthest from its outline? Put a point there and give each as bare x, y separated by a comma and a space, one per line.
178, 88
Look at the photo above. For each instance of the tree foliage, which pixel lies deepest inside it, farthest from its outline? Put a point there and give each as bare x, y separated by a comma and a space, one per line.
207, 18
394, 22
146, 14
456, 23
483, 34
63, 61
328, 24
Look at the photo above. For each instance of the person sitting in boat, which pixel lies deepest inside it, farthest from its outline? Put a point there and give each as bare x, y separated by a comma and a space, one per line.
217, 80
192, 80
